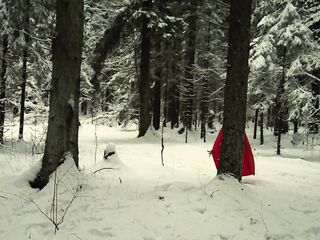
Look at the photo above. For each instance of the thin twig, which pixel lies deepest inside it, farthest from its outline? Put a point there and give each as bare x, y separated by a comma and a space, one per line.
162, 144
104, 169
265, 225
46, 215
67, 208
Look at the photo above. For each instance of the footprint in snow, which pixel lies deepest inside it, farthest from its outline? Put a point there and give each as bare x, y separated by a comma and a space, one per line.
200, 210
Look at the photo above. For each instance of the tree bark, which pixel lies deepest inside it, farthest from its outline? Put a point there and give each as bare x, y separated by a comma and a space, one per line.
235, 94
205, 91
144, 81
279, 102
24, 66
190, 59
62, 135
174, 90
295, 126
157, 85
261, 129
281, 123
166, 94
255, 124
3, 85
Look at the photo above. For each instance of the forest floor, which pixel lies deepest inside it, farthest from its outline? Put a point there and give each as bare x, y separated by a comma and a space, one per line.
141, 199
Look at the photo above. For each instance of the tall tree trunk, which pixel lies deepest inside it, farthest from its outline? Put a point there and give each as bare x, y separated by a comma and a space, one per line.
279, 102
281, 109
62, 135
255, 124
205, 92
295, 125
24, 66
3, 85
261, 129
269, 117
166, 94
190, 59
144, 81
157, 86
174, 87
235, 94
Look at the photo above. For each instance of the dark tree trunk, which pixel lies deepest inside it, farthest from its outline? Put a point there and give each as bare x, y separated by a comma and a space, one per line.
279, 103
261, 129
190, 58
157, 86
295, 126
3, 84
281, 110
24, 66
173, 108
205, 92
174, 88
62, 135
235, 94
255, 124
269, 117
166, 94
144, 81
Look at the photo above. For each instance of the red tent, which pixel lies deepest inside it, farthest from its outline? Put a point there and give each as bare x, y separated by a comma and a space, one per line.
247, 158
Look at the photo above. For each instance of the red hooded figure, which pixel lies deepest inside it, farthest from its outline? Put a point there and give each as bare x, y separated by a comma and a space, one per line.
247, 157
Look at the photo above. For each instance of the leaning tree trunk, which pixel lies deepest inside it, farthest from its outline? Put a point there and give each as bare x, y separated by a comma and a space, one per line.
235, 94
3, 85
24, 66
62, 135
144, 81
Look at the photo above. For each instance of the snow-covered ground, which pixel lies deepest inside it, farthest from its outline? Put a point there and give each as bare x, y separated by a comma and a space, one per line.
141, 199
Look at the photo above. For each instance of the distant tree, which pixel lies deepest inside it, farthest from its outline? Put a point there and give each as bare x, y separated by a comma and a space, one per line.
4, 46
235, 95
4, 11
190, 53
62, 135
25, 53
283, 59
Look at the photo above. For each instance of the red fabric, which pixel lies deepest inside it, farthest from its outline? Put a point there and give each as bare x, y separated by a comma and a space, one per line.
247, 157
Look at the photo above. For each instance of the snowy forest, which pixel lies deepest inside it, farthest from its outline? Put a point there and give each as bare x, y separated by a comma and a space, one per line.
157, 119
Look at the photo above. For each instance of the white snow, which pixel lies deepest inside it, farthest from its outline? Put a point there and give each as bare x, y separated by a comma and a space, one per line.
111, 148
140, 199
